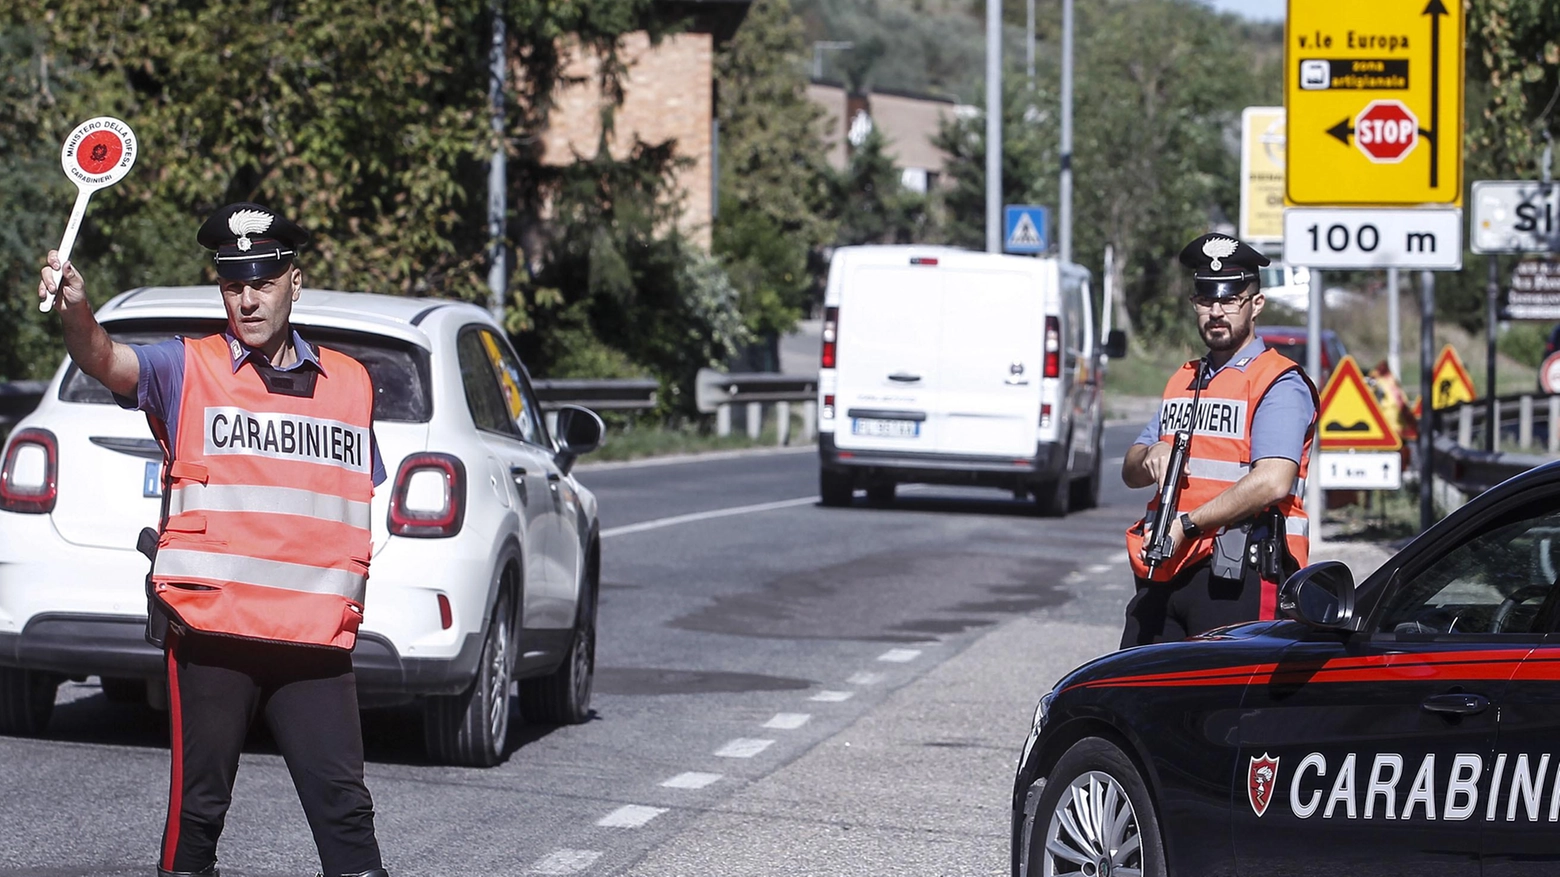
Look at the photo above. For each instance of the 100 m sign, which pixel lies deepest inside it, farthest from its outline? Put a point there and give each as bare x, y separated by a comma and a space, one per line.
1373, 238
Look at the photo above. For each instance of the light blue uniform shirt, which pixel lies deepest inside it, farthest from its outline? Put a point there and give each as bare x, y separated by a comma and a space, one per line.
1288, 403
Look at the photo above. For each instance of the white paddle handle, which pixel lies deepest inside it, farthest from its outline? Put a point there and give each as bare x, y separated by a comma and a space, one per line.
66, 244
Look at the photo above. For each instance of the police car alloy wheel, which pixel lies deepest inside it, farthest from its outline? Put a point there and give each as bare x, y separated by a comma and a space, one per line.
1094, 819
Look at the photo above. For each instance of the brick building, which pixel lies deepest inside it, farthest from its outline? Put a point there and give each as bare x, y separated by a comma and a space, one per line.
669, 94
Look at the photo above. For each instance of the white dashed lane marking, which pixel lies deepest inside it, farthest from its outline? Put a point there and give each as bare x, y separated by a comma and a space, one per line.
658, 523
743, 747
1098, 568
565, 862
900, 656
865, 678
787, 721
630, 816
832, 696
691, 780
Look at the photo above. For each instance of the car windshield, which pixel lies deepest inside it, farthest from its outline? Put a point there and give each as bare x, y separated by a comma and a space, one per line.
399, 370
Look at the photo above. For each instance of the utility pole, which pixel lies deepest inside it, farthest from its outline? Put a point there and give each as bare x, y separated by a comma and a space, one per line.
993, 126
1064, 237
1029, 45
498, 274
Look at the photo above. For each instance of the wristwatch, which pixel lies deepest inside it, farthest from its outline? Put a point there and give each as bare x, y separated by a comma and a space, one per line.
1191, 530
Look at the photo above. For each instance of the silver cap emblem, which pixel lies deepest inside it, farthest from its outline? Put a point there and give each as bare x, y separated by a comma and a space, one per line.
1216, 249
247, 222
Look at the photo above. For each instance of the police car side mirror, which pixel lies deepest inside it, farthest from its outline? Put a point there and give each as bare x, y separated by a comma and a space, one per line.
1320, 596
1116, 344
579, 431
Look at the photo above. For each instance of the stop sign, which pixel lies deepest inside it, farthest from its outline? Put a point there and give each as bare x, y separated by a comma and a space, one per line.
1385, 131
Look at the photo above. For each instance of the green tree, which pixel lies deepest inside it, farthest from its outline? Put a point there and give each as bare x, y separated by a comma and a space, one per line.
774, 176
874, 206
1159, 89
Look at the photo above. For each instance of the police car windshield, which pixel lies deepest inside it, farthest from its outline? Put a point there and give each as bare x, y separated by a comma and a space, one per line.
400, 371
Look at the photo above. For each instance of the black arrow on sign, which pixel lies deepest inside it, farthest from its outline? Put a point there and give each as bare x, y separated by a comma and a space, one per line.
1343, 131
1435, 10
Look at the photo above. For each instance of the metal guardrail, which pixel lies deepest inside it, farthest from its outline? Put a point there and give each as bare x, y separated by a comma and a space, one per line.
605, 394
1528, 419
716, 392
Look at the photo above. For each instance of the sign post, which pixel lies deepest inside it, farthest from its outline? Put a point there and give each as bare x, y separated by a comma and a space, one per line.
1373, 94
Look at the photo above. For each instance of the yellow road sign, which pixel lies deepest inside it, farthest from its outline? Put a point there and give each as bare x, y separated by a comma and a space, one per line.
1374, 97
1350, 417
1262, 174
1449, 381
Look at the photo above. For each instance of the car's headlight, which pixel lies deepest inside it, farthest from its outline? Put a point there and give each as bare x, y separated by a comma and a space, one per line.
1043, 708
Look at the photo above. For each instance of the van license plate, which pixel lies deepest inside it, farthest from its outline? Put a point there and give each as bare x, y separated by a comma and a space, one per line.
885, 428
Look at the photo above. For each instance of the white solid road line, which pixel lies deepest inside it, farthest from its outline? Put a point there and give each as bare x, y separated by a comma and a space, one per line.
673, 521
630, 816
743, 747
565, 862
832, 696
691, 780
787, 721
900, 656
865, 678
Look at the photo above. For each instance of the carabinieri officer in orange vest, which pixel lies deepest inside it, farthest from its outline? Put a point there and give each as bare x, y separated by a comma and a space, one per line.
261, 559
1241, 526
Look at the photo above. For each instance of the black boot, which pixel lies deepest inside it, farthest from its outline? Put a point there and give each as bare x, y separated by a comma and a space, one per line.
208, 871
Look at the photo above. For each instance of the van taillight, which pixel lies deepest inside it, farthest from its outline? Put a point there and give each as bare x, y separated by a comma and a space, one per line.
429, 498
29, 480
831, 336
1053, 347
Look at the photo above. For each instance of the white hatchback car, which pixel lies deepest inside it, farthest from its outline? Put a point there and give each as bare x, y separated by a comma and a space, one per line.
472, 586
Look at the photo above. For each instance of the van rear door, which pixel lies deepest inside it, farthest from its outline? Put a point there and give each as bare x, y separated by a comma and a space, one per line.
991, 357
887, 373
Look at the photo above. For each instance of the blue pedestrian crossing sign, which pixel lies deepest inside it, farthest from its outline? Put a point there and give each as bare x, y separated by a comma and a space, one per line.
1025, 229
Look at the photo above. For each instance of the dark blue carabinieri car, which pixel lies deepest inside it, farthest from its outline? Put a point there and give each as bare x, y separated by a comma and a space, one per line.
1410, 725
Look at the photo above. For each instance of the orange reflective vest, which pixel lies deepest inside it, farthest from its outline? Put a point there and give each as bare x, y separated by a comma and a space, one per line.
1220, 453
267, 533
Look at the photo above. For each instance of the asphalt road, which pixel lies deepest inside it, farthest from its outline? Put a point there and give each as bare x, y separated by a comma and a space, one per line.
783, 689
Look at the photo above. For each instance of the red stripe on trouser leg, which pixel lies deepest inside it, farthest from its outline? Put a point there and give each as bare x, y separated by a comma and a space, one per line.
176, 750
1269, 607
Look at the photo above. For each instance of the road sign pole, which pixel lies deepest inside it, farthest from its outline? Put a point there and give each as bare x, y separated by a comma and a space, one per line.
1394, 327
1426, 398
1492, 292
1065, 184
993, 126
1315, 498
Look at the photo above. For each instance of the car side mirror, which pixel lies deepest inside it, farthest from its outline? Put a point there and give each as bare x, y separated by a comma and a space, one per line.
1116, 344
579, 431
1320, 596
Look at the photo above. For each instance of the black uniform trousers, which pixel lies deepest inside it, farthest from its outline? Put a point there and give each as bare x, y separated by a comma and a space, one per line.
1195, 601
308, 696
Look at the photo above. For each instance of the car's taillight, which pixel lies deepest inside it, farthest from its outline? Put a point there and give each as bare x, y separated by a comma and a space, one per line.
29, 480
831, 336
1053, 347
446, 616
429, 497
828, 407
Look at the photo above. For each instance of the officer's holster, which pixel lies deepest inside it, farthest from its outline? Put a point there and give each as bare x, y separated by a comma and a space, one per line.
156, 616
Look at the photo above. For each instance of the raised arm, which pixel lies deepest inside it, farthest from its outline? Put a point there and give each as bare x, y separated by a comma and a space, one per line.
112, 363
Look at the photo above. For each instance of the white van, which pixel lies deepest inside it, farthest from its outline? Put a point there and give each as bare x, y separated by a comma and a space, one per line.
956, 367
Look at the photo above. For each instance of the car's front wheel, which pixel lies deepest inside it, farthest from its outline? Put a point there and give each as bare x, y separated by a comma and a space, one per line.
26, 700
1094, 817
563, 696
471, 728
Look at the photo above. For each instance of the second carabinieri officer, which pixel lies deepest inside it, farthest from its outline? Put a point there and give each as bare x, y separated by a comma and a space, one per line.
261, 560
1241, 526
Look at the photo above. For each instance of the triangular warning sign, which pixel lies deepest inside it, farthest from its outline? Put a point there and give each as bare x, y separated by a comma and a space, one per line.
1024, 233
1350, 417
1449, 381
